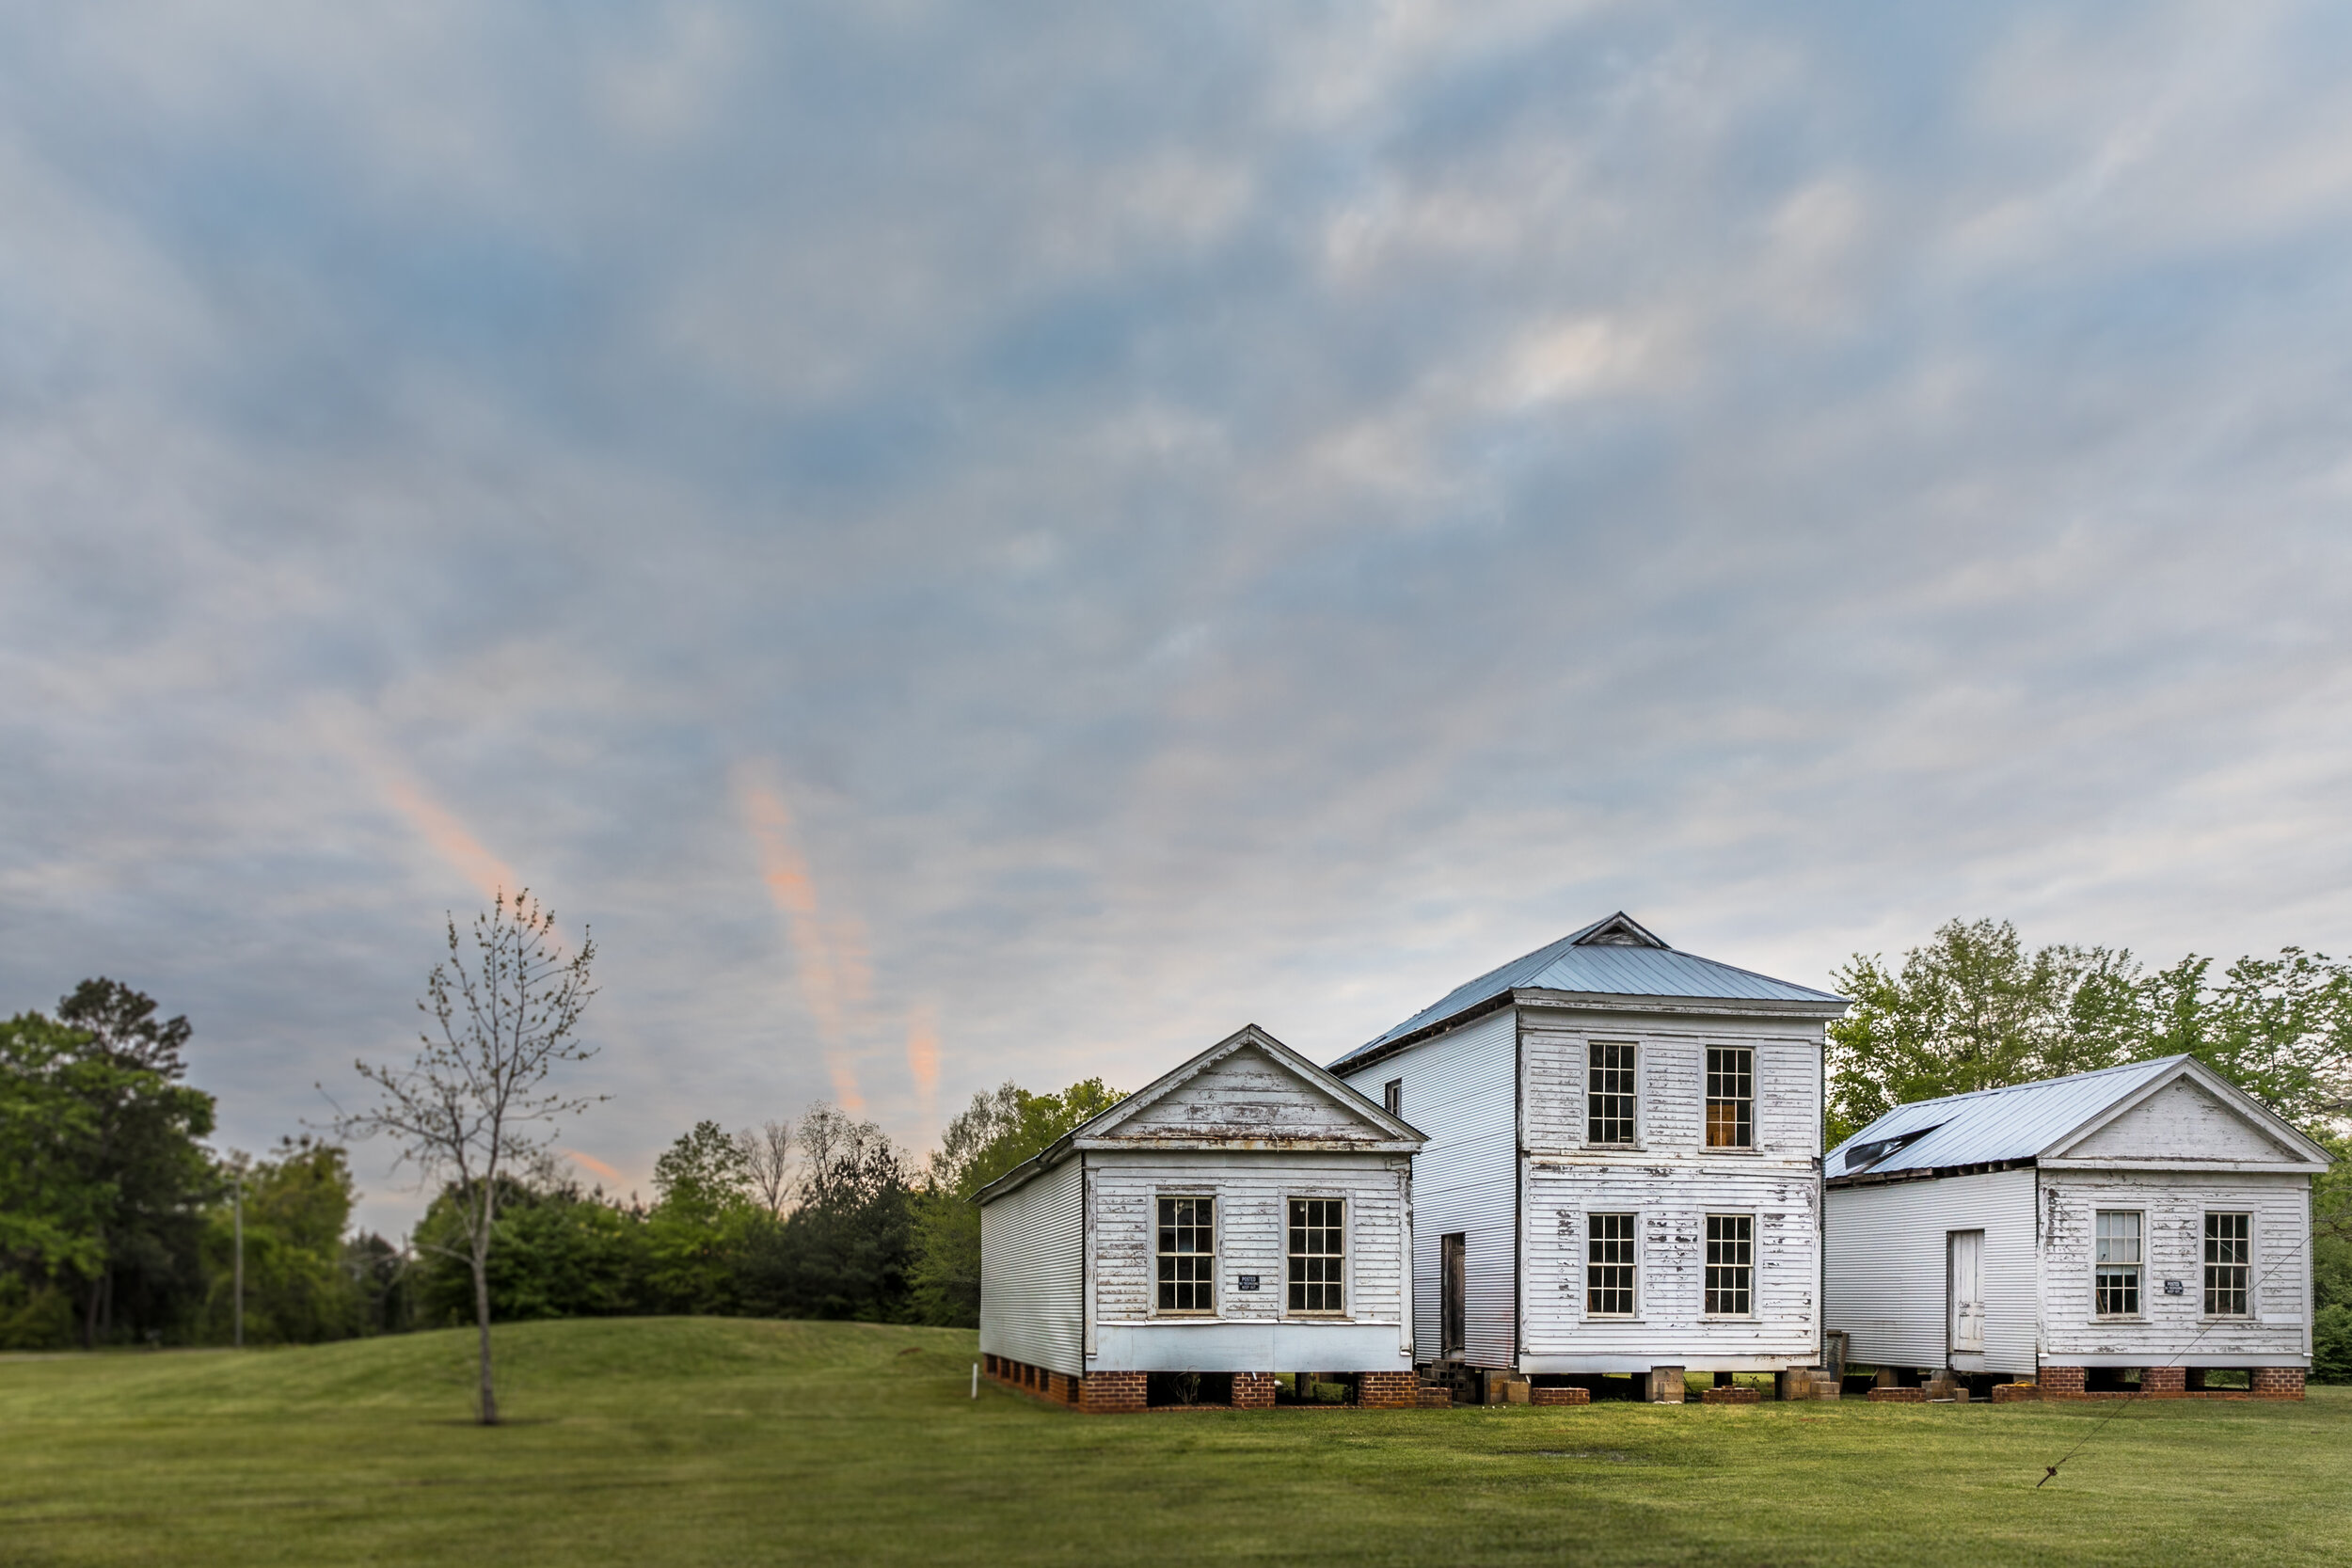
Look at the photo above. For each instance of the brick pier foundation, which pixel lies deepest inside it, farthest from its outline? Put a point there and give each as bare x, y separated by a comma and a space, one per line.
1253, 1391
1387, 1390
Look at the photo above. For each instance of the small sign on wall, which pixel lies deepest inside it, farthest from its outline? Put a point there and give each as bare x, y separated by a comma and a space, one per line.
2175, 1288
1247, 1282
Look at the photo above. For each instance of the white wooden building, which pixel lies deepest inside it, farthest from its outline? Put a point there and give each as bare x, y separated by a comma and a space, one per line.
1247, 1214
1622, 1173
2149, 1216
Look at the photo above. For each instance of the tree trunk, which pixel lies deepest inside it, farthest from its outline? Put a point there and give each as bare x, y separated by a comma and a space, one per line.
482, 1321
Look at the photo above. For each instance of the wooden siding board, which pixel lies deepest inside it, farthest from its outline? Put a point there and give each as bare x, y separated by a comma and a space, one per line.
2175, 1205
1887, 1250
1460, 1091
2182, 1123
1249, 1095
1032, 1272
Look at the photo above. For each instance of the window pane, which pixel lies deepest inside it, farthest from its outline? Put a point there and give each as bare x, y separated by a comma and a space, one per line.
1609, 1265
2118, 1236
1730, 1097
1318, 1255
1187, 1254
1730, 1263
2229, 1255
1609, 1093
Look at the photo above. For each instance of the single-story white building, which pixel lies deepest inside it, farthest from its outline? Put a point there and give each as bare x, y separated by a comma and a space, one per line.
1247, 1214
2151, 1217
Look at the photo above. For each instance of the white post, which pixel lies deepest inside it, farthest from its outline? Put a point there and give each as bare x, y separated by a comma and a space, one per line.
975, 1380
237, 1311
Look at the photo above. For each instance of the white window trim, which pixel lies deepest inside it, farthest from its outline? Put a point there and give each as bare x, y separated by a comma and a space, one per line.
1216, 1308
2145, 1247
1640, 1095
1755, 1145
1584, 1270
1749, 1216
2253, 1278
1347, 1261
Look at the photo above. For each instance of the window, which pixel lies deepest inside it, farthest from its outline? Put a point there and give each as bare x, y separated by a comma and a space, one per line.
1730, 1097
2117, 1282
1609, 1266
1392, 1096
2228, 1252
1318, 1255
1730, 1263
1187, 1255
1609, 1093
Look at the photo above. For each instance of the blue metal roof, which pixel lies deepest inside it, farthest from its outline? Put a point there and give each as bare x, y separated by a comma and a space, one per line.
1609, 957
2017, 1122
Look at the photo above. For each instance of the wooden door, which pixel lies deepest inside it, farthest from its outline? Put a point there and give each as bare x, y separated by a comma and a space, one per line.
1967, 1292
1454, 1293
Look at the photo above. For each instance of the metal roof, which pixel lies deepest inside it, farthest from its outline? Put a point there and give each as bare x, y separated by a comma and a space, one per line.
1609, 957
1991, 1126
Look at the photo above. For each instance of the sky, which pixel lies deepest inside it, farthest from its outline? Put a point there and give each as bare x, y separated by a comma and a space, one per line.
984, 543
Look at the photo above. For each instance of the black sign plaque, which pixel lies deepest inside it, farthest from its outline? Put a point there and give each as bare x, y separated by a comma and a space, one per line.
1247, 1282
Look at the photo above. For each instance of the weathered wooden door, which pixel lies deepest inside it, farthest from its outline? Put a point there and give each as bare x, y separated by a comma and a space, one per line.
1967, 1290
1454, 1293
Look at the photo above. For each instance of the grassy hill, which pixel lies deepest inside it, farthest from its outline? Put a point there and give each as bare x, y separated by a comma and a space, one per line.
720, 1441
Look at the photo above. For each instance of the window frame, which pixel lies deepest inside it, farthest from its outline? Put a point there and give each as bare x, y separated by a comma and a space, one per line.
1708, 1266
2139, 1267
2206, 1266
1709, 1076
1346, 1281
1215, 1253
1392, 1097
1632, 1096
1633, 1267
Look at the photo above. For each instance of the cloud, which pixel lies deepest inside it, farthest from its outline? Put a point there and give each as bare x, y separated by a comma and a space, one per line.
1209, 514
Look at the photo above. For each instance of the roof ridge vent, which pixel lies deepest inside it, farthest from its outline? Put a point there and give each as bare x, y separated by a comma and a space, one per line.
1618, 930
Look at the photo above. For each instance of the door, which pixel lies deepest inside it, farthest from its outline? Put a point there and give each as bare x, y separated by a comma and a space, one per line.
1967, 1290
1454, 1295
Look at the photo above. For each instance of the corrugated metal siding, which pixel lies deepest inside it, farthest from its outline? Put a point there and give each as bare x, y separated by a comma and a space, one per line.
1993, 1125
2175, 1205
1032, 1283
1609, 971
1887, 1273
1458, 1089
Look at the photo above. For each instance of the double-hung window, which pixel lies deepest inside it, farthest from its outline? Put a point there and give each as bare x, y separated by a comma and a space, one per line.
1730, 1264
1318, 1255
2229, 1255
1392, 1096
2116, 1280
1187, 1255
1609, 1093
1730, 1097
1609, 1266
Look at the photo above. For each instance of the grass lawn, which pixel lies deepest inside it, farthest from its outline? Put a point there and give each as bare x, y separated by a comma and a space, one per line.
720, 1441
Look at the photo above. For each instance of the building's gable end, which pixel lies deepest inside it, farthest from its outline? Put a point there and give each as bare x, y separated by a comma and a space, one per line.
1249, 1095
2183, 1122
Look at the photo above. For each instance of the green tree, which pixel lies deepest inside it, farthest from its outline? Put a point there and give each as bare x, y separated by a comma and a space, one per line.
844, 1250
998, 1131
297, 1290
702, 1222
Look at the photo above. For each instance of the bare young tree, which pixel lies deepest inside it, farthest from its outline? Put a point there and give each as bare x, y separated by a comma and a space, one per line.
767, 1151
464, 1110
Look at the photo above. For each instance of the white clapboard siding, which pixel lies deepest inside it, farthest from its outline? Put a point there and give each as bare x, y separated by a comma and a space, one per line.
2180, 1123
1458, 1090
1032, 1272
1887, 1256
1249, 1095
2174, 1328
1671, 1078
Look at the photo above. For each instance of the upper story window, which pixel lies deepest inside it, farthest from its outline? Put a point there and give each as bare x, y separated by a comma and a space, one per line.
1730, 1097
1392, 1096
1609, 1100
2229, 1255
2116, 1265
1187, 1255
1318, 1255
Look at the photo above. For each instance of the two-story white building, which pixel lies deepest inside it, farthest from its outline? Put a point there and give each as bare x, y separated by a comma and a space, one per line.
1622, 1172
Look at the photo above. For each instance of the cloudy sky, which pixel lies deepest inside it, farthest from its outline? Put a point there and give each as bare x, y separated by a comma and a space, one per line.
983, 542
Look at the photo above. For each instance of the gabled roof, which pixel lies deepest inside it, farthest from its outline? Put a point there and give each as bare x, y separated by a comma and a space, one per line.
2041, 1121
1381, 1132
1612, 958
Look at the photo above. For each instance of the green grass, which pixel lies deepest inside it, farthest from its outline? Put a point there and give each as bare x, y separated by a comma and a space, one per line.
718, 1441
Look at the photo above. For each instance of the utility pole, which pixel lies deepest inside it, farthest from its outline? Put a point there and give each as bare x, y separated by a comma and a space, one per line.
237, 1308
